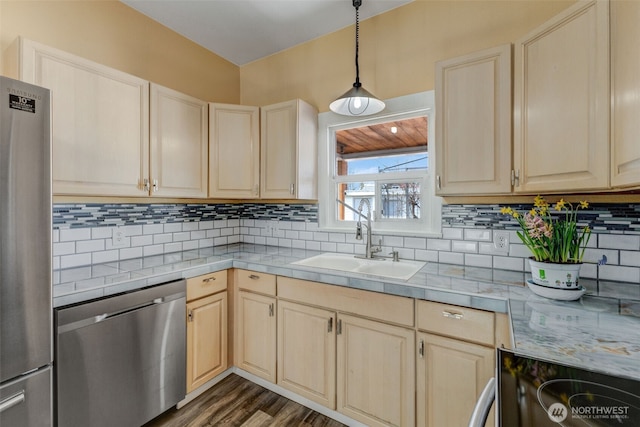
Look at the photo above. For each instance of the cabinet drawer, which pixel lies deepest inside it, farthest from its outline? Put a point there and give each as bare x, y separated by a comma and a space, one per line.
254, 281
207, 284
388, 308
458, 322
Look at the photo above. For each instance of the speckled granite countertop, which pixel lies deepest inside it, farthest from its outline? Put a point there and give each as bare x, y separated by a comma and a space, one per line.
600, 331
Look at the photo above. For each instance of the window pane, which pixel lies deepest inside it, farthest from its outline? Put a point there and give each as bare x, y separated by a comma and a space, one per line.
383, 164
400, 200
356, 195
395, 146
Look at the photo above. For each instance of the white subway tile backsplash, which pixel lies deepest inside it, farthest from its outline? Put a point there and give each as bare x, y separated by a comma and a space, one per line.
320, 236
451, 258
141, 240
476, 260
345, 248
328, 247
172, 247
77, 260
129, 253
438, 245
452, 233
619, 241
162, 238
182, 236
64, 248
337, 237
630, 258
73, 234
312, 245
478, 234
190, 226
285, 243
101, 232
104, 256
190, 245
619, 273
462, 246
508, 263
429, 256
173, 227
415, 242
90, 246
394, 241
152, 250
152, 228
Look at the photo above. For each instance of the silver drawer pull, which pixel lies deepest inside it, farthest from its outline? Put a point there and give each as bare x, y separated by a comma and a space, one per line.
12, 401
209, 279
451, 315
254, 277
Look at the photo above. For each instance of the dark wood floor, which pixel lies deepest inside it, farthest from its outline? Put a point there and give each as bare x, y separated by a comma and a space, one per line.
235, 401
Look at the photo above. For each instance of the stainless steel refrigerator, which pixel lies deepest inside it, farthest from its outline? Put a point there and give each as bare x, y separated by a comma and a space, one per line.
26, 351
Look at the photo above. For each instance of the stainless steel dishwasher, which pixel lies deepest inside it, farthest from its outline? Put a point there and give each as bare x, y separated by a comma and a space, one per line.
120, 361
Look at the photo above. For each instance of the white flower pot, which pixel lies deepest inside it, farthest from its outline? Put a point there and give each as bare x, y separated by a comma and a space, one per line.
561, 276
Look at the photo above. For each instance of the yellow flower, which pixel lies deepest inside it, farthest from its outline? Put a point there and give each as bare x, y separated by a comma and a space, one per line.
515, 215
584, 204
506, 210
560, 205
539, 202
533, 212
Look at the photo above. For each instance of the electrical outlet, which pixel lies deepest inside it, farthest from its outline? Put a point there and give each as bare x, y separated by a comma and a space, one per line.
501, 241
272, 227
118, 238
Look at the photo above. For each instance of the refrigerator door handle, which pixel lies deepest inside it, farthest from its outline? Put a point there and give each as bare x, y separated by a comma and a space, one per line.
12, 401
483, 405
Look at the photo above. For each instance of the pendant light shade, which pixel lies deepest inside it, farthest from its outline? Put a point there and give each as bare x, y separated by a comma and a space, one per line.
357, 101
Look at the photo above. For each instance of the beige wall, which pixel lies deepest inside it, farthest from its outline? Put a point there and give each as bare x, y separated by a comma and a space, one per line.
111, 33
397, 50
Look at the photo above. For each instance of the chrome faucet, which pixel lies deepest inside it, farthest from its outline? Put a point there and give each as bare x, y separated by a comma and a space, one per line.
369, 248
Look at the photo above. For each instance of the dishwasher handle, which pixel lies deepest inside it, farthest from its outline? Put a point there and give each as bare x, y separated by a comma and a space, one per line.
105, 316
110, 315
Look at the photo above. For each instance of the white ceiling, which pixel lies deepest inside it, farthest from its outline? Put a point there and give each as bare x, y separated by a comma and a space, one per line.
242, 31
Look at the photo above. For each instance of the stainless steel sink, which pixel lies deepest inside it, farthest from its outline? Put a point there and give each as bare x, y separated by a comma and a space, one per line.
383, 267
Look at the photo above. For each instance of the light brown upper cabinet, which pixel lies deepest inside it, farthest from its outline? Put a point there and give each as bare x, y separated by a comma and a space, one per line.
625, 86
288, 151
473, 123
115, 134
562, 104
100, 116
179, 143
234, 151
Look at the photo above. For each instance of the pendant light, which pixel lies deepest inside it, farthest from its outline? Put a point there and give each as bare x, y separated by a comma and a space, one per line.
357, 101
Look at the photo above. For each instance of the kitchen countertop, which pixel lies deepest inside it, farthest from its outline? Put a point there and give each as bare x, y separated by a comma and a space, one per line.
600, 331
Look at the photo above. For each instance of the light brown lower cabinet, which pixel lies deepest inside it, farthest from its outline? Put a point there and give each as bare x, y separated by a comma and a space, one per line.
356, 363
206, 339
206, 328
307, 352
451, 375
376, 372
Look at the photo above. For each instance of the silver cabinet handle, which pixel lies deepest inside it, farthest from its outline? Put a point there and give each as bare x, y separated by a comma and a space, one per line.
452, 315
330, 325
438, 183
421, 349
292, 189
12, 401
209, 279
254, 277
339, 328
190, 316
145, 184
155, 185
271, 310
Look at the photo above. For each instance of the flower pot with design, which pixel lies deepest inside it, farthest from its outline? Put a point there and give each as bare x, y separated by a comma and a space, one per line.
556, 275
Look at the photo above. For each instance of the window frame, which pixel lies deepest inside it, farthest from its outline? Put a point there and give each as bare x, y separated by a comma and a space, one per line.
404, 107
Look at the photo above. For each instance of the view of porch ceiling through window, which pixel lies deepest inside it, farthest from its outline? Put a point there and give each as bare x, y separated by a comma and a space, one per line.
375, 154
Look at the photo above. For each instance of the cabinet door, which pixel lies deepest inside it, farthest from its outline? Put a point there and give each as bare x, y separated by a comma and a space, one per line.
625, 69
206, 339
451, 375
473, 124
376, 372
255, 339
179, 144
234, 151
288, 151
307, 352
100, 116
561, 102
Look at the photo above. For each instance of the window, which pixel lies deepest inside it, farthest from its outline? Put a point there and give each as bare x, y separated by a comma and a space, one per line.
383, 162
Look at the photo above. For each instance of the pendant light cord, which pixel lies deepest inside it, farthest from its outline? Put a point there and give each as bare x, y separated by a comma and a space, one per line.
356, 4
